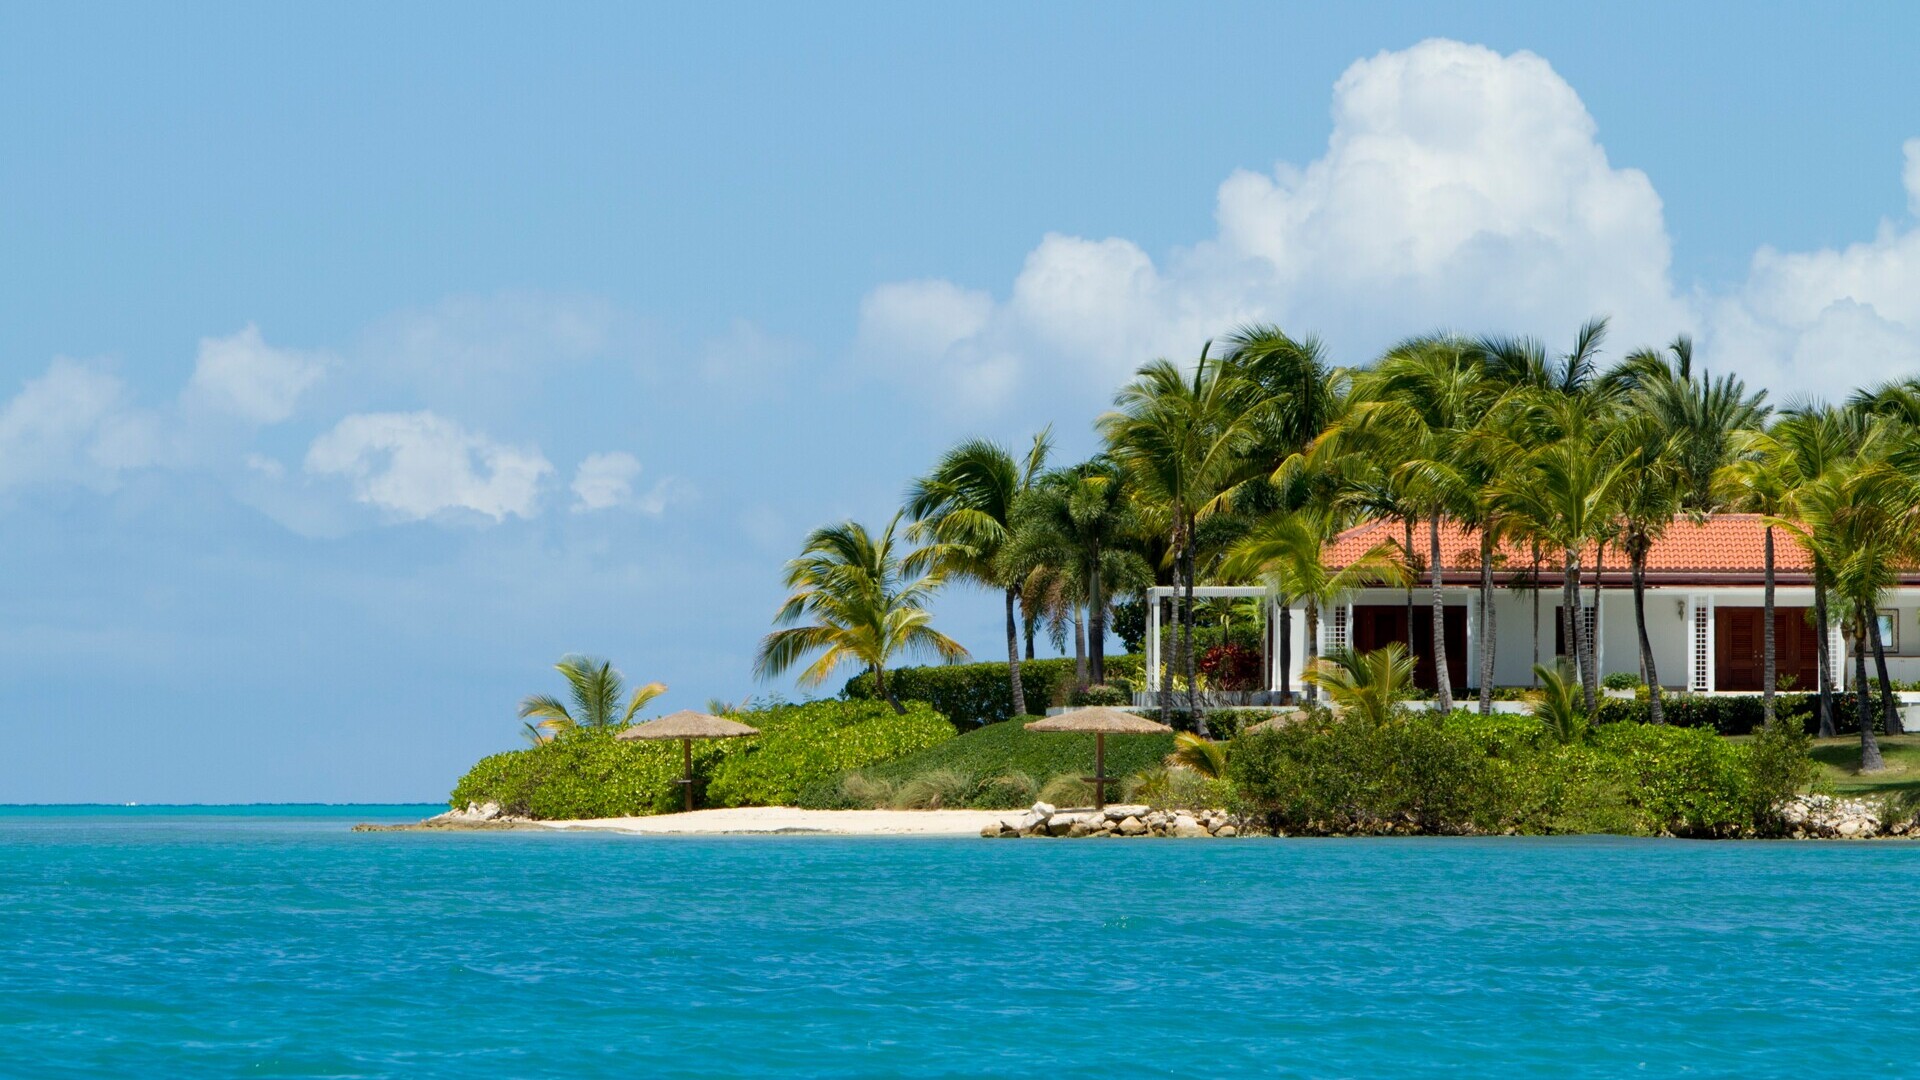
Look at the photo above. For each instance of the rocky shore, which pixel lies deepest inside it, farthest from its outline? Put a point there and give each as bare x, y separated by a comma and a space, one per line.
473, 817
1823, 817
1122, 820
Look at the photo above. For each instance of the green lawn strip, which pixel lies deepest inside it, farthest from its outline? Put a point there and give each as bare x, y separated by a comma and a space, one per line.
1839, 761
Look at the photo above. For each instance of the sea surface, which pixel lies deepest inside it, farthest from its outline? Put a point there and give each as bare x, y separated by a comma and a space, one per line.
271, 941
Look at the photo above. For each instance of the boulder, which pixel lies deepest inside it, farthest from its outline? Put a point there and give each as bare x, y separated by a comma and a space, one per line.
1226, 830
1132, 826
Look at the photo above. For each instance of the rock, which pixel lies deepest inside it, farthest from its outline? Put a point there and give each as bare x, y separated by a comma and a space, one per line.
1132, 826
1059, 825
1189, 829
1850, 827
1123, 812
1080, 827
1226, 830
1045, 810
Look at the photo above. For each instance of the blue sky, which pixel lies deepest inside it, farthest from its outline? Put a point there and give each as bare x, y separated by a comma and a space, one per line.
355, 364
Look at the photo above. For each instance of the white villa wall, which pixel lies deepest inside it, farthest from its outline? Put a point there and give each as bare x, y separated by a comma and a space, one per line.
1667, 628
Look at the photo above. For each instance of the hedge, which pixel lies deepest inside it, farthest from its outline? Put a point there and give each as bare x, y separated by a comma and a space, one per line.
975, 694
1464, 773
1737, 714
981, 758
588, 773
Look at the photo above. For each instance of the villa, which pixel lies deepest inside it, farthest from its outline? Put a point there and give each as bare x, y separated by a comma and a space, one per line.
1705, 591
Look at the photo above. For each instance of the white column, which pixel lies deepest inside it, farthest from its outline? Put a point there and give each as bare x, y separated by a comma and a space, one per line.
1709, 643
1473, 641
1153, 641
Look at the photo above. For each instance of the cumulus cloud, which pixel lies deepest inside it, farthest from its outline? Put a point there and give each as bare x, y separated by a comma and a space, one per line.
420, 465
75, 424
605, 480
1459, 188
245, 377
935, 333
746, 355
1814, 322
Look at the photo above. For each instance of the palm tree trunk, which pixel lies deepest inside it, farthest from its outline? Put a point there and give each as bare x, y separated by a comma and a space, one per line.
1312, 645
1637, 558
1013, 656
1768, 669
1166, 663
1593, 646
1413, 576
1869, 746
1889, 716
1079, 649
1534, 680
1096, 626
1823, 629
1186, 629
1284, 643
1576, 626
1442, 679
1486, 621
886, 690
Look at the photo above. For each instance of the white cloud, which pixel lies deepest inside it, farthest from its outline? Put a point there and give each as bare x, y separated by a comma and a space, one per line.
74, 425
605, 480
244, 376
1821, 322
1459, 188
746, 355
419, 465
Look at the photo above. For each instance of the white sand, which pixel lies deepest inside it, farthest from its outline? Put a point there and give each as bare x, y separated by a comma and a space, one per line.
768, 820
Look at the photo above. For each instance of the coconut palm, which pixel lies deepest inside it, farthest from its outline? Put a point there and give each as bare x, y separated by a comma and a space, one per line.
966, 505
1418, 407
1183, 439
866, 602
1557, 704
1081, 520
1368, 686
1202, 755
1289, 550
1649, 496
594, 689
1761, 478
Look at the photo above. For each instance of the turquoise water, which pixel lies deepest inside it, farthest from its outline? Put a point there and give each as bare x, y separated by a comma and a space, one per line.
272, 942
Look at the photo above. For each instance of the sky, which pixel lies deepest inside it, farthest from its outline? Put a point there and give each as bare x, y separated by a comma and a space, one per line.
357, 362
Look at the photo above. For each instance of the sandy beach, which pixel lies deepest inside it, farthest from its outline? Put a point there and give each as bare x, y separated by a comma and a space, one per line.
786, 820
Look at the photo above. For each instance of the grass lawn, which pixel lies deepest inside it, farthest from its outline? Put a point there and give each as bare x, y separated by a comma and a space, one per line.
1839, 761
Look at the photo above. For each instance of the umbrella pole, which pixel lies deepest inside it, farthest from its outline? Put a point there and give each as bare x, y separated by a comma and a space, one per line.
686, 761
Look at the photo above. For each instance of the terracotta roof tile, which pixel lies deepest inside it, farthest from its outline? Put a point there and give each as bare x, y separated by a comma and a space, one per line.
1723, 544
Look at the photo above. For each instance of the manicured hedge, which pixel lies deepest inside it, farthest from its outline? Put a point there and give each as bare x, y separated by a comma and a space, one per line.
987, 754
588, 773
1727, 715
975, 694
1466, 773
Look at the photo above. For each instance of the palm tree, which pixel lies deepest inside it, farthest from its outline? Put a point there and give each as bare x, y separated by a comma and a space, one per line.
866, 603
1567, 487
1289, 549
1368, 686
1650, 492
1183, 440
1760, 479
1081, 520
1557, 703
1419, 405
595, 689
966, 505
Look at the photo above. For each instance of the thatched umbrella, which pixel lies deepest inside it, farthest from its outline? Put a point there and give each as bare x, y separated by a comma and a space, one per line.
687, 725
1102, 721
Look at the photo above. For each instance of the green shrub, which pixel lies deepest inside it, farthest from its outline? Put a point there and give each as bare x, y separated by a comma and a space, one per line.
1730, 714
801, 745
1226, 723
1464, 772
939, 789
975, 694
1067, 791
1100, 694
997, 751
1780, 767
1622, 680
587, 773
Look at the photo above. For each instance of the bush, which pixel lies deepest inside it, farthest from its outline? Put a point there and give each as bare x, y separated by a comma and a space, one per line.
1067, 791
1467, 773
587, 773
1226, 723
1622, 680
972, 694
1740, 714
994, 756
1099, 694
938, 789
1231, 666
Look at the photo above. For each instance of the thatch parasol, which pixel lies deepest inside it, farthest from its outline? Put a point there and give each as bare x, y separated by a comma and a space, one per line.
1101, 721
687, 725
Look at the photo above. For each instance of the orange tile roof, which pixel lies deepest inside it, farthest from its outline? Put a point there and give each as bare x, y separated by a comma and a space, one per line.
1724, 547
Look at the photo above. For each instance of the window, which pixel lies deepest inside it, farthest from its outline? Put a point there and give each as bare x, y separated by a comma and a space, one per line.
1890, 629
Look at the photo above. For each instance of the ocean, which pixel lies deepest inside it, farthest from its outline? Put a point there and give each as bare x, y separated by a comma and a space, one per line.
272, 941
